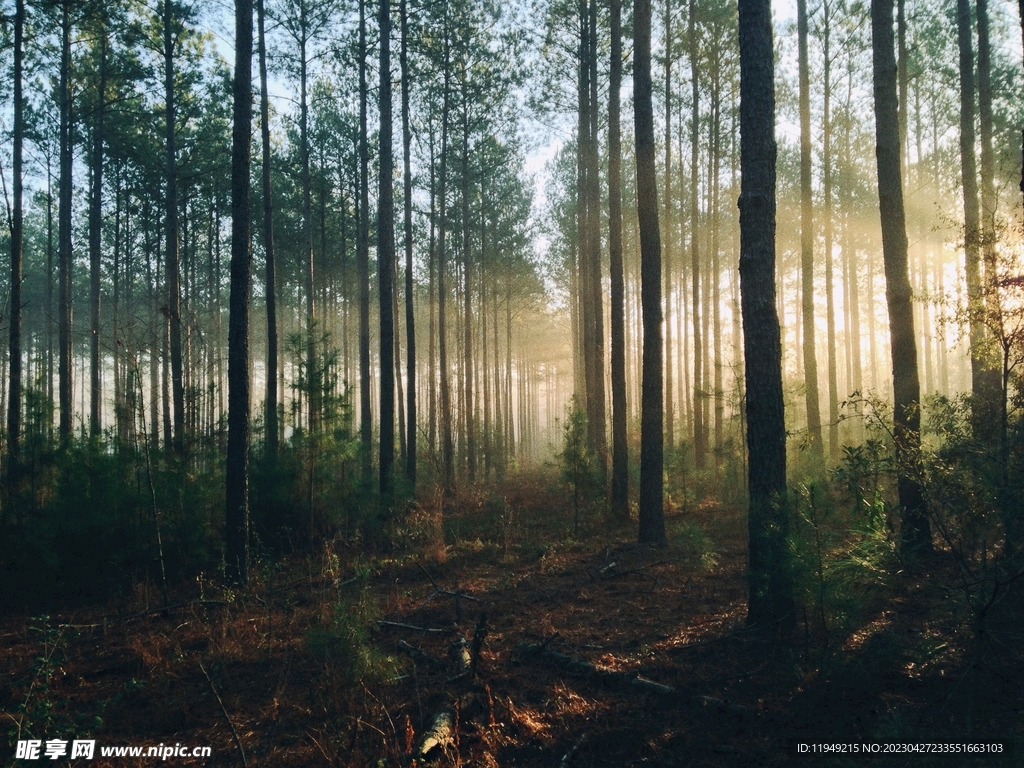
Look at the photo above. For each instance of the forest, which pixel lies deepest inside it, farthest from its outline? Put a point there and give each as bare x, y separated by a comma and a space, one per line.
557, 382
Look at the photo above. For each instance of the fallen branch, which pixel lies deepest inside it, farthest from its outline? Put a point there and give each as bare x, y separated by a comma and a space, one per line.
609, 571
234, 733
623, 680
419, 656
399, 625
604, 676
108, 620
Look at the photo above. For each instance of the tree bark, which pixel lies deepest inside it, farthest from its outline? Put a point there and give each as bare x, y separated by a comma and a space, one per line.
620, 461
807, 248
270, 277
236, 550
64, 230
386, 267
699, 431
410, 317
95, 239
915, 533
14, 396
171, 260
363, 260
652, 516
771, 592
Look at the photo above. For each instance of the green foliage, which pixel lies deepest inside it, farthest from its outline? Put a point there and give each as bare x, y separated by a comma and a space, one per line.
578, 463
349, 658
40, 712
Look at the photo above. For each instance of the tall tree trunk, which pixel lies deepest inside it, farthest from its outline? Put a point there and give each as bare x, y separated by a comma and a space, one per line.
670, 417
807, 248
620, 461
313, 383
363, 260
652, 516
95, 239
410, 328
270, 276
386, 267
447, 446
915, 533
596, 416
992, 391
171, 258
699, 433
981, 417
64, 229
830, 306
469, 402
771, 590
14, 396
236, 550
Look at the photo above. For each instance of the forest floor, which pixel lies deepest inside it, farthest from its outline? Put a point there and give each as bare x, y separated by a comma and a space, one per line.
307, 668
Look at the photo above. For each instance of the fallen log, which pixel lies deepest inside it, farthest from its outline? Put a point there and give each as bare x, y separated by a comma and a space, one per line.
440, 735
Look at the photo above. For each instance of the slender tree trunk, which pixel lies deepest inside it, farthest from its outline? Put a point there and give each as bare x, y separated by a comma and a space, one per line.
652, 520
410, 317
915, 533
236, 551
830, 307
670, 417
771, 590
95, 241
699, 434
447, 446
469, 401
992, 391
14, 396
64, 229
171, 258
363, 260
597, 416
386, 267
270, 276
972, 216
807, 248
620, 461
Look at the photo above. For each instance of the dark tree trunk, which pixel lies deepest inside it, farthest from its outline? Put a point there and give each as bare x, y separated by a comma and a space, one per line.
64, 230
915, 533
771, 591
270, 278
95, 240
363, 260
410, 328
171, 262
386, 267
468, 402
807, 248
652, 515
669, 244
827, 172
17, 218
236, 550
620, 465
447, 446
699, 431
992, 388
972, 215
